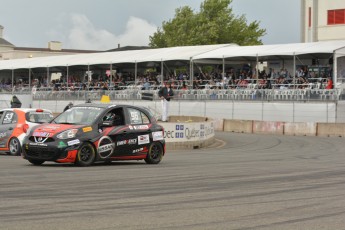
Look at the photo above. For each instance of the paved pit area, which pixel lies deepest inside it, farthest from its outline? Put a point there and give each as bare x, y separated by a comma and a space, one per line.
242, 182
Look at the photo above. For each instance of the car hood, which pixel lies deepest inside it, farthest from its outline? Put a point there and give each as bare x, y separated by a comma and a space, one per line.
46, 130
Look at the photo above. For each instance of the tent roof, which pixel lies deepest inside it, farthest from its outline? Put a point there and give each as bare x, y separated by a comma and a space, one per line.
186, 53
310, 50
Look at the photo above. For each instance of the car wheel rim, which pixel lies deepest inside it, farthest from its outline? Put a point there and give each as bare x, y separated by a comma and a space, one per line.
85, 154
155, 152
14, 146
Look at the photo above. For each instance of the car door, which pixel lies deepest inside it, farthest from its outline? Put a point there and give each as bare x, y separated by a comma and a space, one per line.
116, 135
139, 125
7, 127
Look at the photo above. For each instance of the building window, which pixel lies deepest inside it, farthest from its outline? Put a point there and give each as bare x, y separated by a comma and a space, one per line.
336, 17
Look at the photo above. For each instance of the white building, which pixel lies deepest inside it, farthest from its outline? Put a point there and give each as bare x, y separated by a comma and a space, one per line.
322, 20
9, 51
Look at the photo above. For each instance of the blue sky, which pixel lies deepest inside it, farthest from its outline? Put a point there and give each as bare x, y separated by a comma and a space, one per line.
103, 24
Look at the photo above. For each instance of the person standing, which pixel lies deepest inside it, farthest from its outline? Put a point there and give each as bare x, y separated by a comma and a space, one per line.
165, 94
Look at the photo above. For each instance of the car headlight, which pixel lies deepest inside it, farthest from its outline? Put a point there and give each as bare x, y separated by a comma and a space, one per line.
71, 133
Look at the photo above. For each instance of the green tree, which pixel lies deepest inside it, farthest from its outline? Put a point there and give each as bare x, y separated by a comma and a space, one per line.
214, 24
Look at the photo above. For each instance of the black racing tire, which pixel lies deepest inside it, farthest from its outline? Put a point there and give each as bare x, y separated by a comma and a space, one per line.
86, 155
14, 147
36, 162
155, 154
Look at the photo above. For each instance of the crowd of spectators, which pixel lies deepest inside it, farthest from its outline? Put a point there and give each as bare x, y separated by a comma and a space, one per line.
214, 79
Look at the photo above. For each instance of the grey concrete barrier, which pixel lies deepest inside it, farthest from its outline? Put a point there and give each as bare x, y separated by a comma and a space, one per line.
238, 126
188, 132
330, 129
268, 127
300, 128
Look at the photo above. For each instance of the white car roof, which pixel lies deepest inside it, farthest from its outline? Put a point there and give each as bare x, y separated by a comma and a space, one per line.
25, 110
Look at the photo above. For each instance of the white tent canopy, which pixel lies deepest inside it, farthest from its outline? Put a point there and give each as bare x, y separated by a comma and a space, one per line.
194, 53
204, 53
132, 56
293, 49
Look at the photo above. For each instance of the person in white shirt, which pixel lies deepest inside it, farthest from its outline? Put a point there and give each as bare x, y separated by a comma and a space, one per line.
165, 94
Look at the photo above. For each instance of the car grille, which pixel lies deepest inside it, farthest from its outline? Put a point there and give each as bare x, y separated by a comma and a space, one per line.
32, 138
41, 152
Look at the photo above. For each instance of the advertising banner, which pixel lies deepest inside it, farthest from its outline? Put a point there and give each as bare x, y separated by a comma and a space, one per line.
182, 132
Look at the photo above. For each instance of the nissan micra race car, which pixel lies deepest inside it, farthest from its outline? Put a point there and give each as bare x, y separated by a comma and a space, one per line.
15, 123
89, 133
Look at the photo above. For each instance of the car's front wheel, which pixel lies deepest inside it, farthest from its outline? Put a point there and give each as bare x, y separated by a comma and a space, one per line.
155, 154
14, 147
86, 155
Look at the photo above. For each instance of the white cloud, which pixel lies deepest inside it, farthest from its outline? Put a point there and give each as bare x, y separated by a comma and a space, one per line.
84, 35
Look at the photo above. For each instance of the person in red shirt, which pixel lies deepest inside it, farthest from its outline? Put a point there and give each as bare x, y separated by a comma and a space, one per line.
329, 83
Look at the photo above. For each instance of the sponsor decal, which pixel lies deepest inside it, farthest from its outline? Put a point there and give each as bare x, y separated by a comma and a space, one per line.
73, 142
51, 127
105, 147
169, 134
8, 118
179, 127
41, 134
135, 117
156, 136
179, 135
37, 144
87, 129
138, 150
130, 127
144, 139
127, 142
141, 127
62, 144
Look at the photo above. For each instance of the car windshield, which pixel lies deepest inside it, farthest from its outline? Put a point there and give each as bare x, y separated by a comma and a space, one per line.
79, 116
39, 117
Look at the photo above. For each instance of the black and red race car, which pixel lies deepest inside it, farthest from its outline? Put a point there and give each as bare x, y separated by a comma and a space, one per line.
89, 133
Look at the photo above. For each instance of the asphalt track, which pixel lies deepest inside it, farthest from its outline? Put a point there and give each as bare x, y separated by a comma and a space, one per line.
244, 181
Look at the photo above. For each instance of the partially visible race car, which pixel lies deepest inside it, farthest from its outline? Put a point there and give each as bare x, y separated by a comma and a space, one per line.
15, 123
89, 133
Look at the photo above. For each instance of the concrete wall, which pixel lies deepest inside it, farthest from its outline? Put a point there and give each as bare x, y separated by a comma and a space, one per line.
184, 133
286, 128
288, 111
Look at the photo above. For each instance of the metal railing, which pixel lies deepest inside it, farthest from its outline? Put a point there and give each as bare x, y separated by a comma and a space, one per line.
200, 94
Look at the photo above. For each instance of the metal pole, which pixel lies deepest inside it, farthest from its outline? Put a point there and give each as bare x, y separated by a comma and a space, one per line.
67, 73
135, 72
162, 71
294, 70
48, 80
257, 67
88, 77
223, 67
29, 78
191, 72
111, 75
12, 81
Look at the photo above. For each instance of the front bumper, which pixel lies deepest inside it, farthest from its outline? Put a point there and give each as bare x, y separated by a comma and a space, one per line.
49, 152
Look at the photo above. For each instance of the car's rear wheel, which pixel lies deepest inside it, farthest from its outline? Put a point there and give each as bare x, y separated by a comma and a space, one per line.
86, 155
36, 162
14, 147
155, 154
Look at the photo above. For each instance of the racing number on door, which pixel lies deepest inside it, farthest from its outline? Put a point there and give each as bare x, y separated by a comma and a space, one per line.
8, 118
